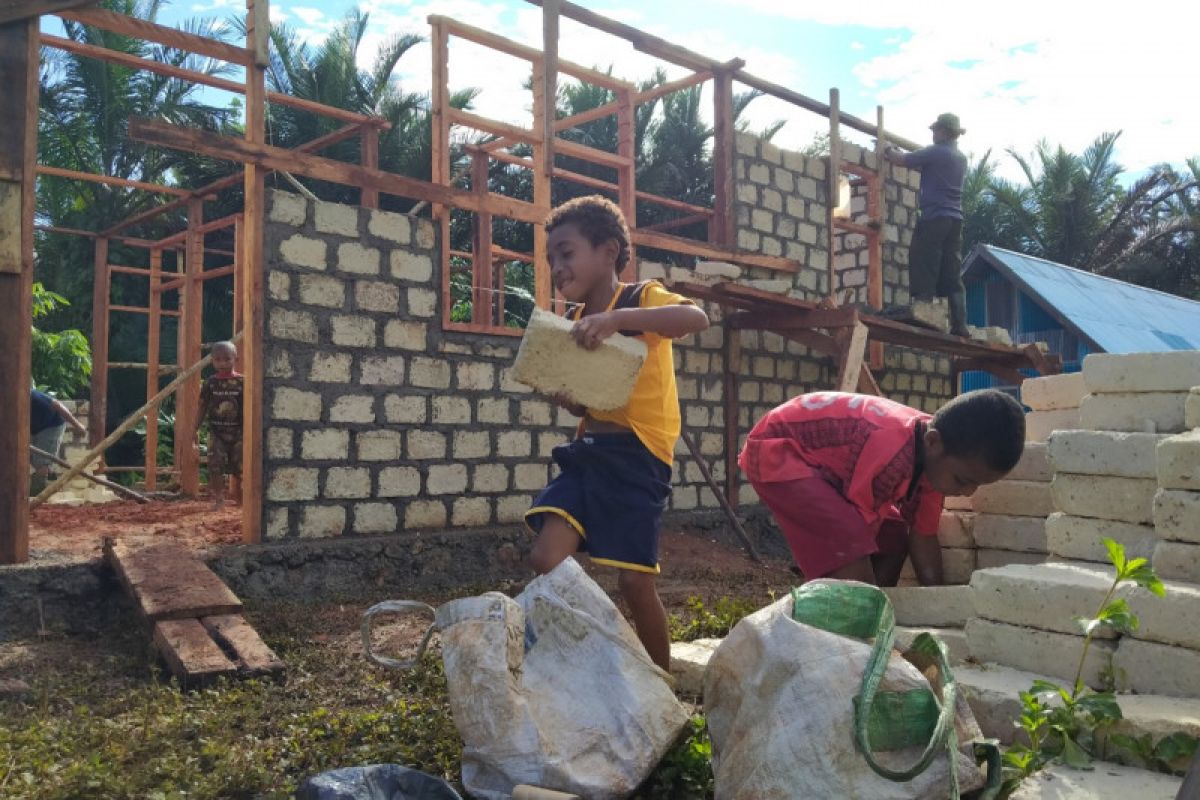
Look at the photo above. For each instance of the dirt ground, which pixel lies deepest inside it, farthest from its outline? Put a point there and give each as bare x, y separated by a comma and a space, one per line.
65, 533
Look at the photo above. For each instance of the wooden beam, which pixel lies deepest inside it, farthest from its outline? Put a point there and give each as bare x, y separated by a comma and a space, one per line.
252, 264
627, 177
191, 303
18, 153
660, 48
369, 158
833, 174
101, 283
481, 252
544, 107
234, 149
172, 71
732, 352
691, 247
854, 350
681, 222
876, 212
721, 231
439, 103
316, 145
153, 345
549, 85
19, 10
531, 54
111, 181
160, 34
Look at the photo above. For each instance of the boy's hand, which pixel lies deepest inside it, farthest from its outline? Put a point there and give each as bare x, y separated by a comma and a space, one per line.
593, 329
573, 408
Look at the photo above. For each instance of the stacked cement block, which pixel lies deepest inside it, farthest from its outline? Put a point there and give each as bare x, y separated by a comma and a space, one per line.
1177, 502
1105, 485
74, 445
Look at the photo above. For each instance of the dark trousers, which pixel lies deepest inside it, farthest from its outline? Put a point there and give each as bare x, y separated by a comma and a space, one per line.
934, 258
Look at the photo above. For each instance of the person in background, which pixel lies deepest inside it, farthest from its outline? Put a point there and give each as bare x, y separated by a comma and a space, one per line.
48, 419
221, 405
935, 256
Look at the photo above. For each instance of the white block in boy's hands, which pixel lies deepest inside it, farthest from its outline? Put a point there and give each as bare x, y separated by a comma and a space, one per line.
552, 363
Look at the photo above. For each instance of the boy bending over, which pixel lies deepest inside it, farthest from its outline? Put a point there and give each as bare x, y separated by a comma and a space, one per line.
856, 482
221, 405
615, 476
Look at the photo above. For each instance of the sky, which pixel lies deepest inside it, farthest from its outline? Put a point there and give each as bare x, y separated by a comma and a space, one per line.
1016, 72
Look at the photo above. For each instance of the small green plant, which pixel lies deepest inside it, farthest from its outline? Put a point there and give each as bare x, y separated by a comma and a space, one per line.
699, 622
62, 361
1070, 725
1170, 754
685, 773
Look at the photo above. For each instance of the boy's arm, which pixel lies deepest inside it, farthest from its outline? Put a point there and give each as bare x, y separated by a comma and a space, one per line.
68, 416
670, 321
926, 552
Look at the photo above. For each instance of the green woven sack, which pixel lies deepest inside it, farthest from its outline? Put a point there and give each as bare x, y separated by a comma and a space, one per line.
887, 720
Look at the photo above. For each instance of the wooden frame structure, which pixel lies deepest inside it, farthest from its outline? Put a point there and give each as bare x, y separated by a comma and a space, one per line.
19, 42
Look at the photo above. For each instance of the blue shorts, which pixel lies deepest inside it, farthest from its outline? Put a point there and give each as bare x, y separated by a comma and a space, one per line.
613, 492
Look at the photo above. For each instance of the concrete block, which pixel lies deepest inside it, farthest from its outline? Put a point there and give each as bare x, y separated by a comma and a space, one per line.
1054, 392
399, 482
375, 518
1061, 782
292, 483
1046, 596
348, 482
1014, 498
1153, 668
295, 404
1150, 412
322, 522
288, 208
989, 557
1178, 461
932, 606
689, 660
1002, 532
992, 333
330, 368
1079, 538
425, 514
298, 326
957, 564
336, 218
1174, 371
1125, 455
353, 331
954, 529
1102, 497
471, 512
1177, 561
325, 444
377, 296
955, 640
303, 251
422, 302
354, 257
446, 479
992, 691
1033, 466
1043, 652
1040, 424
957, 504
1170, 619
1177, 515
551, 362
1191, 408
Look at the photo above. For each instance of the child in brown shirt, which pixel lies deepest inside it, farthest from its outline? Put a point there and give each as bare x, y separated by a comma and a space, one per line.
221, 405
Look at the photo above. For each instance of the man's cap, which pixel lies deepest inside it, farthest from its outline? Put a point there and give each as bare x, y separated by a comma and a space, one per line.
949, 122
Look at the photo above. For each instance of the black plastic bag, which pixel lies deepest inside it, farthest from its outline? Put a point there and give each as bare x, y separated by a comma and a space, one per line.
376, 782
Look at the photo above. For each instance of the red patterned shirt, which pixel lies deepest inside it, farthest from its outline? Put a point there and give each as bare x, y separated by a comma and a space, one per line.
865, 446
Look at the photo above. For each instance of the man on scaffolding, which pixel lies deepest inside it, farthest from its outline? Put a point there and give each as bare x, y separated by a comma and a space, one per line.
935, 256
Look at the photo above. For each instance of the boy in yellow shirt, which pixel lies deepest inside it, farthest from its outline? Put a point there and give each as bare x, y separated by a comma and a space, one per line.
615, 476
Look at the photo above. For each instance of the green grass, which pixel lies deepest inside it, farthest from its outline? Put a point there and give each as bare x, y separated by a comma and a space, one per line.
105, 721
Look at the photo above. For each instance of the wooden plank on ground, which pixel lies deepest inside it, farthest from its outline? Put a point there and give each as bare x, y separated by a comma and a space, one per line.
190, 652
235, 635
168, 582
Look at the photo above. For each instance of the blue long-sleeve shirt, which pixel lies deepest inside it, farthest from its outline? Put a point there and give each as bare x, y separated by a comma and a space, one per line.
943, 168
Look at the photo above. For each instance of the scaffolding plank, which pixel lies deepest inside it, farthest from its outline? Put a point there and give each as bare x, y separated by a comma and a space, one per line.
236, 635
190, 652
168, 582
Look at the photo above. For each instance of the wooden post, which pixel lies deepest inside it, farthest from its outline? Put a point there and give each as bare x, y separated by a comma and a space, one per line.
548, 87
191, 322
18, 154
251, 264
833, 174
439, 102
239, 280
853, 343
98, 405
721, 228
544, 106
732, 346
481, 250
877, 219
627, 174
152, 357
369, 198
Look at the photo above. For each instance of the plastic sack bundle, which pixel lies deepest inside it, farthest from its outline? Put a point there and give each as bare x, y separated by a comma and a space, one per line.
375, 782
551, 689
806, 698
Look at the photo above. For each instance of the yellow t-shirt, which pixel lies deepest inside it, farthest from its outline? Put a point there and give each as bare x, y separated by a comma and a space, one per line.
653, 409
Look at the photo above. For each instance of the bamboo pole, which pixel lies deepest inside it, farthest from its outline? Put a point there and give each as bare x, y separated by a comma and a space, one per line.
121, 430
107, 484
730, 514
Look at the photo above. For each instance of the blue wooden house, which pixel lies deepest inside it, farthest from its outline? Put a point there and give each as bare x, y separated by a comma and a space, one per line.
1073, 311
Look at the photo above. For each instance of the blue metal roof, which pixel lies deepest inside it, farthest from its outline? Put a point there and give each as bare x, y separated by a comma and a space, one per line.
1118, 317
